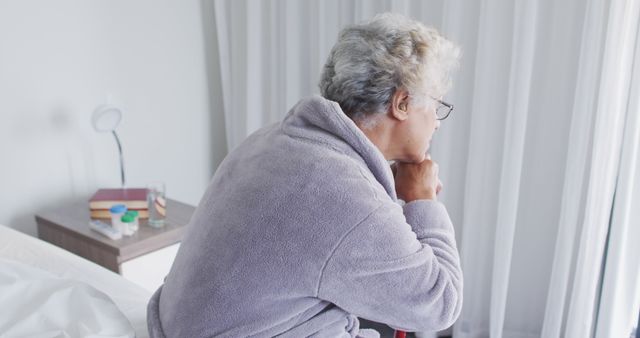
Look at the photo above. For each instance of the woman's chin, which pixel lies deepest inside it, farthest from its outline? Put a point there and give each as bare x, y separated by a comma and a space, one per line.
416, 158
423, 155
413, 157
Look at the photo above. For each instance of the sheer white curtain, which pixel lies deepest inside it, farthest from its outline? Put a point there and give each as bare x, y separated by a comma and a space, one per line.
620, 297
529, 158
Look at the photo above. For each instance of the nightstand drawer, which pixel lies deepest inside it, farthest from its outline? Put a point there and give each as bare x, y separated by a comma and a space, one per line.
150, 270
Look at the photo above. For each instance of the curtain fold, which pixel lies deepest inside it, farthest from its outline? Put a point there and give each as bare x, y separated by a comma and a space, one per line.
620, 298
577, 168
483, 173
523, 47
529, 158
611, 109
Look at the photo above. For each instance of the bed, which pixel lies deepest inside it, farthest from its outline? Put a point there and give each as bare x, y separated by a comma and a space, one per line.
46, 291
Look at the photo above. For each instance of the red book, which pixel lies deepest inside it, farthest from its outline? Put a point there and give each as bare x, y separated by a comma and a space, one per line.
133, 198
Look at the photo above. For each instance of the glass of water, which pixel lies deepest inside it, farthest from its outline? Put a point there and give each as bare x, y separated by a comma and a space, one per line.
157, 204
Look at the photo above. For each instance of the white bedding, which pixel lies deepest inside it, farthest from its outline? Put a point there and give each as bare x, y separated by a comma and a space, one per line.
129, 298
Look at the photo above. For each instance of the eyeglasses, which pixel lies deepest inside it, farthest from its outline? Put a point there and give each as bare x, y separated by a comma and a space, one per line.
443, 110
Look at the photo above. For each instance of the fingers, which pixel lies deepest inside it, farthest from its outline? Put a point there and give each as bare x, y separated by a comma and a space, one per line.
417, 180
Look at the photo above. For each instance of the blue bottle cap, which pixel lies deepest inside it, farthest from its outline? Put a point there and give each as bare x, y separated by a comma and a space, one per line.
118, 209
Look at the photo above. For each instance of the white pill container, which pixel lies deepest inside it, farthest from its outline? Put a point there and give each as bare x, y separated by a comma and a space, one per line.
117, 211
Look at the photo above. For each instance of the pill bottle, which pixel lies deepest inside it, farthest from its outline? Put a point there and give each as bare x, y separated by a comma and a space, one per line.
127, 224
117, 211
136, 223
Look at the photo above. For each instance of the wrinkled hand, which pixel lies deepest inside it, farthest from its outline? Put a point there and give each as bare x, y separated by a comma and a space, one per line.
416, 181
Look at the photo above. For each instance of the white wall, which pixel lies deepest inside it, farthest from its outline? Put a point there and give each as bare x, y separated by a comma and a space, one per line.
60, 59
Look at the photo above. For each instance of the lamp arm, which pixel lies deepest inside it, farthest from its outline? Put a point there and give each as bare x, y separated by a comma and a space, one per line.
121, 157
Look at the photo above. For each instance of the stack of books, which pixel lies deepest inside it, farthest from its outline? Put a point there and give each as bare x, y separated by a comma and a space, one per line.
104, 199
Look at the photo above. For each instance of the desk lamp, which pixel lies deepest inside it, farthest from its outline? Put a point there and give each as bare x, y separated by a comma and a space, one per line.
106, 118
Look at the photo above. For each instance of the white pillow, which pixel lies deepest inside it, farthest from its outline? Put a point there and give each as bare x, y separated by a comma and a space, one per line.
35, 303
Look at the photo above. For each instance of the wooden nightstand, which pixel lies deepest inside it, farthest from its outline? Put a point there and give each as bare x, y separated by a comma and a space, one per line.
149, 249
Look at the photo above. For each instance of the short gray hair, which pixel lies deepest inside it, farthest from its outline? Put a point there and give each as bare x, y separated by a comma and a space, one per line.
370, 61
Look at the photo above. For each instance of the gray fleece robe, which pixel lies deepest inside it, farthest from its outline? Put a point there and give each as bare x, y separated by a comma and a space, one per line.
300, 233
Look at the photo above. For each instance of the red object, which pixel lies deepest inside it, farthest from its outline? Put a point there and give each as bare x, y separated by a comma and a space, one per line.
133, 198
399, 334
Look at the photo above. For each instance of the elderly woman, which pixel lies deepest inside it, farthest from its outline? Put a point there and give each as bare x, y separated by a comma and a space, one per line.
300, 231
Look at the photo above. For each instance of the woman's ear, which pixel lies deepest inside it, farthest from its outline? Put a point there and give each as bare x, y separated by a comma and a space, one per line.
399, 107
